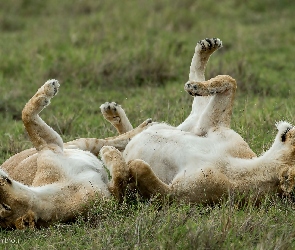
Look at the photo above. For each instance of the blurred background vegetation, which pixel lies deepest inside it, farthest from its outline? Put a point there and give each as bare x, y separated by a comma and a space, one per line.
138, 53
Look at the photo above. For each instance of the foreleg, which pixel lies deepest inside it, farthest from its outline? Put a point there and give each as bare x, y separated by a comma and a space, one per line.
114, 113
41, 135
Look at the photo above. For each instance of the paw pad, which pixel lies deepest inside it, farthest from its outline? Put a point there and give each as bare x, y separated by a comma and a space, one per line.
209, 44
192, 89
51, 87
111, 110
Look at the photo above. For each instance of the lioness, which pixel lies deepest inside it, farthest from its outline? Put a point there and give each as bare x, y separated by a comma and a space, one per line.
54, 181
202, 159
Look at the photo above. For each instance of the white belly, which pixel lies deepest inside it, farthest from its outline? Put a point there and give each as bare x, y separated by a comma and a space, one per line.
169, 150
77, 167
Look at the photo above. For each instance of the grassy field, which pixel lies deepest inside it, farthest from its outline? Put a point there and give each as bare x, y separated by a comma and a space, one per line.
138, 54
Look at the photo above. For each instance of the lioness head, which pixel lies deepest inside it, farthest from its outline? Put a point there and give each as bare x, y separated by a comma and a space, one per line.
285, 144
14, 205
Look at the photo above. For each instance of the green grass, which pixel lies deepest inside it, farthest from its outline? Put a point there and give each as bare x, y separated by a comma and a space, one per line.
138, 53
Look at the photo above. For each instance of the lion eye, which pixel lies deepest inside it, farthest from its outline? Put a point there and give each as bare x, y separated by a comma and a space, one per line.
8, 180
6, 207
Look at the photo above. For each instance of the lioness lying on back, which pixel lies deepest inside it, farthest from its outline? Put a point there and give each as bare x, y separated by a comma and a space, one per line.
198, 161
55, 181
202, 159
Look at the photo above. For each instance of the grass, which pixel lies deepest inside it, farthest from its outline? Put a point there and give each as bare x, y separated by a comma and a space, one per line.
138, 53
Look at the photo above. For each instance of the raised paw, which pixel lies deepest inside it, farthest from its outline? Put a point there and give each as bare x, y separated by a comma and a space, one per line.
114, 113
203, 51
192, 88
42, 98
109, 154
114, 161
208, 45
218, 84
50, 88
111, 112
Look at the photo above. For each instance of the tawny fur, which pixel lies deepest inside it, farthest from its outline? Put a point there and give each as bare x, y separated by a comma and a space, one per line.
55, 181
203, 159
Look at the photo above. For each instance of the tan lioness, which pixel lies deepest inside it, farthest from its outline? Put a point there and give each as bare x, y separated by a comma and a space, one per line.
54, 181
203, 159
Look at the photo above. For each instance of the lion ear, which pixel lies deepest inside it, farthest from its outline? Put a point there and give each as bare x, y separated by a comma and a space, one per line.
283, 126
26, 221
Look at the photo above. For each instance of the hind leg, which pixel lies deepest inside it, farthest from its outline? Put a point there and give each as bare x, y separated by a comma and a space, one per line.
115, 163
204, 185
114, 113
146, 181
41, 135
204, 49
94, 145
218, 111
